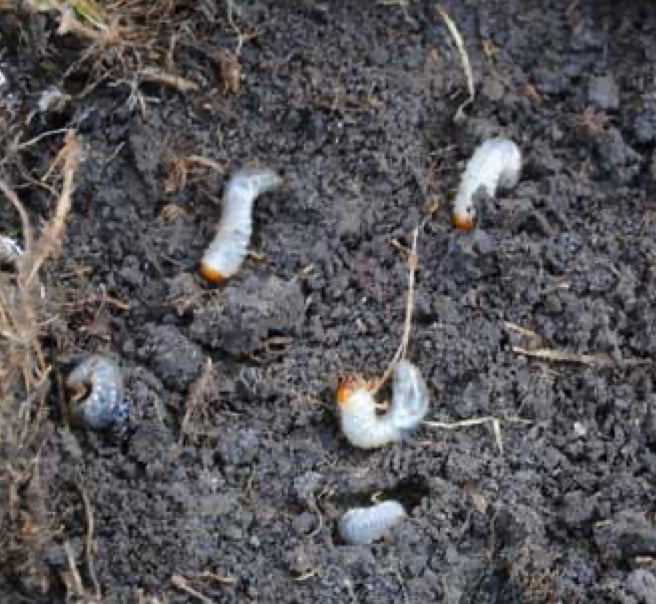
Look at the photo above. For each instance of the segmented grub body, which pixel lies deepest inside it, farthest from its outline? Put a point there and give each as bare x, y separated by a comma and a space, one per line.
99, 383
227, 251
496, 164
366, 429
10, 251
366, 525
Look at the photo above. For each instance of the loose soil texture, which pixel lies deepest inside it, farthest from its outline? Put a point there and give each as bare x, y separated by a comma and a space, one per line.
233, 474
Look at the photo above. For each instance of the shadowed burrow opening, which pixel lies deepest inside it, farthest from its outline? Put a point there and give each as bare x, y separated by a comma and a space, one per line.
408, 492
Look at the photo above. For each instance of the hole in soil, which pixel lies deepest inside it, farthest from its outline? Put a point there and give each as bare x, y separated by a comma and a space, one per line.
409, 492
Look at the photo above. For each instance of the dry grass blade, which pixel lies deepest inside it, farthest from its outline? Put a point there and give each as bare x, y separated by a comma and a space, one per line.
523, 337
157, 76
464, 58
495, 422
218, 578
413, 262
496, 428
313, 572
24, 386
89, 543
70, 24
563, 356
25, 221
181, 583
73, 581
74, 585
206, 162
52, 235
181, 168
521, 330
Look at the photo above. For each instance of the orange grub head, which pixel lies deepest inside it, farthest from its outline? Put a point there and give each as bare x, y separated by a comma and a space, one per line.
345, 388
463, 221
211, 274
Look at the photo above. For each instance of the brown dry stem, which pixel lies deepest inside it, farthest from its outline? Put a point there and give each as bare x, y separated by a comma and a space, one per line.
24, 383
464, 59
158, 76
197, 395
563, 356
18, 206
53, 234
179, 582
89, 545
73, 581
123, 38
495, 422
181, 168
413, 262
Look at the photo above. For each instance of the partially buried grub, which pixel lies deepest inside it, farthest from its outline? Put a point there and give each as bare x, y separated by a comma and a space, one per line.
360, 526
96, 394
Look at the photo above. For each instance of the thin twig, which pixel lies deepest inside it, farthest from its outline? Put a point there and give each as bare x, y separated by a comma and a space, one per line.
477, 421
72, 566
22, 213
181, 583
464, 59
240, 36
413, 261
521, 330
69, 23
97, 299
89, 545
474, 421
563, 356
206, 162
36, 139
312, 502
157, 76
313, 572
218, 578
53, 232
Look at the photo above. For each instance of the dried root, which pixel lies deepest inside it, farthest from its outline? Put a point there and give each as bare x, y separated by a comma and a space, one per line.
120, 33
25, 527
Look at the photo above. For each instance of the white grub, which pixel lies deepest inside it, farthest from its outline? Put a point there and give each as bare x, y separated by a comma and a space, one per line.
52, 99
496, 164
365, 525
97, 400
409, 398
10, 251
228, 249
364, 428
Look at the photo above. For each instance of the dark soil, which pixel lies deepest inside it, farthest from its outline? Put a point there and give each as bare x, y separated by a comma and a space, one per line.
354, 103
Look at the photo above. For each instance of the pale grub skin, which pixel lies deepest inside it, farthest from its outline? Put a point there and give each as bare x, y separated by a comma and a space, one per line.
97, 397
